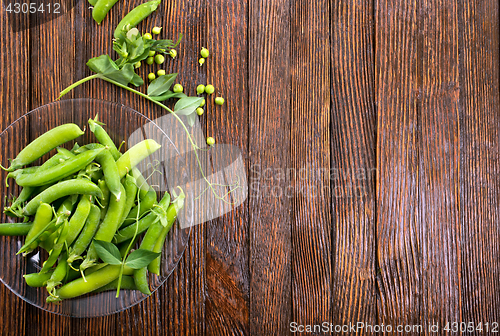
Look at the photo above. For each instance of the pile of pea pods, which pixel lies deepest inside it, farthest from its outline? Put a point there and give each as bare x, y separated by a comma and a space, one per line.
87, 207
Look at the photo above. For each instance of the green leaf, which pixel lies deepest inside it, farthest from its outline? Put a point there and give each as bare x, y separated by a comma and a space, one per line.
108, 252
123, 76
186, 106
161, 85
141, 258
137, 80
102, 64
169, 94
191, 119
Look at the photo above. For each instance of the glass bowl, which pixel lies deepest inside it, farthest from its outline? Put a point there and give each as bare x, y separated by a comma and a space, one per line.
122, 124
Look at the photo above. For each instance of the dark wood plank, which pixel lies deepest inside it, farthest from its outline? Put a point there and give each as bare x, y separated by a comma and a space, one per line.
398, 230
353, 139
439, 164
14, 84
227, 250
50, 48
177, 308
309, 185
480, 159
92, 40
269, 137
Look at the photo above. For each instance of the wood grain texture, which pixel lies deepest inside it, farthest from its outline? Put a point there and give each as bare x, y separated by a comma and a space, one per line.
13, 80
269, 136
480, 159
177, 308
439, 163
399, 276
91, 41
309, 190
353, 136
49, 46
227, 250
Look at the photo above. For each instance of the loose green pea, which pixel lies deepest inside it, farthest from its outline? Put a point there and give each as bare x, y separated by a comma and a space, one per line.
147, 36
178, 88
151, 53
209, 89
204, 52
200, 89
138, 64
201, 61
156, 30
159, 59
151, 76
173, 53
199, 111
150, 60
210, 141
219, 101
202, 103
161, 72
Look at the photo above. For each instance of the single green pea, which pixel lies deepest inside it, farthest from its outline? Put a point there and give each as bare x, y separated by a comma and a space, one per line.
201, 61
204, 52
150, 60
199, 111
219, 101
159, 59
138, 64
178, 88
151, 76
151, 53
200, 89
156, 30
209, 89
202, 103
161, 72
147, 36
173, 53
210, 141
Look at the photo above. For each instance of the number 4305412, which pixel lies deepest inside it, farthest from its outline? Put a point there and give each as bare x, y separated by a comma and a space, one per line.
32, 8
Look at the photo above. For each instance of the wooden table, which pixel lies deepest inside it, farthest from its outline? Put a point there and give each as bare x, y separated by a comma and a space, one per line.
385, 117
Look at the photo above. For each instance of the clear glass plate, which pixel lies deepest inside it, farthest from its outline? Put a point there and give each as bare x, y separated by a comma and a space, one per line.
121, 122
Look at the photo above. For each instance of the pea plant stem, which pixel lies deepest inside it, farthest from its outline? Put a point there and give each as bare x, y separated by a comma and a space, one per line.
195, 147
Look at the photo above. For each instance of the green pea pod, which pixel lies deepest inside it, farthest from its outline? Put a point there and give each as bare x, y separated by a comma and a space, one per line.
57, 249
91, 283
59, 273
78, 219
103, 137
85, 237
131, 190
66, 152
42, 220
154, 266
144, 205
105, 198
135, 155
141, 226
101, 9
62, 189
127, 283
107, 229
37, 279
45, 143
58, 172
136, 15
14, 210
109, 169
15, 229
